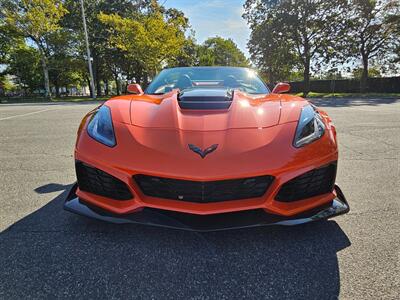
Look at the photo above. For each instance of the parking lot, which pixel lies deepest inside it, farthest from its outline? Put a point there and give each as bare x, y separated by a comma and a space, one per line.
46, 252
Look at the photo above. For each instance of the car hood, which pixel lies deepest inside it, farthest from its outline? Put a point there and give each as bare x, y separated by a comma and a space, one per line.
169, 112
154, 132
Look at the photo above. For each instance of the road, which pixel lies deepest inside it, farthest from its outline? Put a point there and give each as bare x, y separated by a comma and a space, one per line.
46, 252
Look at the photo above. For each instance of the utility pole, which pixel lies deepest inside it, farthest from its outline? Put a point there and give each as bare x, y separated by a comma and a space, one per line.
89, 58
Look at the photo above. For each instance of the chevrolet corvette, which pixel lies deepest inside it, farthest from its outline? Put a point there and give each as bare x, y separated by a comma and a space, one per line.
207, 148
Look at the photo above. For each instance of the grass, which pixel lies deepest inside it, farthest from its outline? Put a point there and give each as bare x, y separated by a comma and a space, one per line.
55, 100
350, 95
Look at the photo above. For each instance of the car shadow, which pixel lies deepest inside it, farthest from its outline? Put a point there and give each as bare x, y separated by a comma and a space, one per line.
54, 254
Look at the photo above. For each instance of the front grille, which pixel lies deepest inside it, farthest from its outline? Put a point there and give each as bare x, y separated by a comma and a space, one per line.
203, 191
98, 182
313, 183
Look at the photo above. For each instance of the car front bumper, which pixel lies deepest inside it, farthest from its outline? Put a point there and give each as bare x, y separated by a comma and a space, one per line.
212, 222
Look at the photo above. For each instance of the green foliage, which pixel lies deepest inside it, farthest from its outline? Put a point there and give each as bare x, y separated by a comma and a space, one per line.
108, 62
6, 84
294, 75
151, 39
24, 65
395, 20
8, 39
187, 56
217, 51
372, 72
34, 20
331, 75
66, 66
270, 52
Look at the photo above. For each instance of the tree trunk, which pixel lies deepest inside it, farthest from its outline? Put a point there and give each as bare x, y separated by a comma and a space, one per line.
271, 77
90, 87
145, 80
117, 85
306, 76
106, 90
364, 75
96, 73
98, 86
56, 85
46, 75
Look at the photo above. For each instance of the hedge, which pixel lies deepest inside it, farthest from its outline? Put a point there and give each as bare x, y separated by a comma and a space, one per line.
374, 85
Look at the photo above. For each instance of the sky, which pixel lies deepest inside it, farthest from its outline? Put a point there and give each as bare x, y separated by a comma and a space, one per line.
215, 18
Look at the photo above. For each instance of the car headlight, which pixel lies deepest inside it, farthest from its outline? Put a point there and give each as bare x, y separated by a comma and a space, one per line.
310, 127
101, 128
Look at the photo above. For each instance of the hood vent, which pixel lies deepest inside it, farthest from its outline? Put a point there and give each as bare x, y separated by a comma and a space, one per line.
201, 98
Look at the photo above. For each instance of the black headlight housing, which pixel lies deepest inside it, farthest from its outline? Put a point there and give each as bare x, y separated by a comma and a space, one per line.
101, 128
309, 128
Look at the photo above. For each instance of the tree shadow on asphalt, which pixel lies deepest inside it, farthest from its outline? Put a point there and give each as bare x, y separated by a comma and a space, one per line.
349, 101
54, 254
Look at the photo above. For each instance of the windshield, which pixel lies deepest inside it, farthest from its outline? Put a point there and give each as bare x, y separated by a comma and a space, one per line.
242, 79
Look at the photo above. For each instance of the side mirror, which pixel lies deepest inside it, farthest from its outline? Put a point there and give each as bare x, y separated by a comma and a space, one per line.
134, 88
281, 87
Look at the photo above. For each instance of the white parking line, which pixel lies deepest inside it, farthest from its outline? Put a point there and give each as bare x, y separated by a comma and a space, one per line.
27, 114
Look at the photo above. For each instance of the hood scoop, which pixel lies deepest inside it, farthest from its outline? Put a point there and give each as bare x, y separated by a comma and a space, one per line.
205, 110
205, 99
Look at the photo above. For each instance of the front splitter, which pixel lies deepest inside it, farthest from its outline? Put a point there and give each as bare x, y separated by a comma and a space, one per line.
214, 222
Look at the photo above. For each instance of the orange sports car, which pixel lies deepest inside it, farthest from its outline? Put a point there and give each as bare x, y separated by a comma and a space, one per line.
207, 148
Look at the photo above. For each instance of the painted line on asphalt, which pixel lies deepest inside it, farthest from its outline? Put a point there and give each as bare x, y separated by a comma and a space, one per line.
27, 114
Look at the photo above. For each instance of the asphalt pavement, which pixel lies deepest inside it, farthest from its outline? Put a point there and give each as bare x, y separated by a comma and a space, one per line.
46, 252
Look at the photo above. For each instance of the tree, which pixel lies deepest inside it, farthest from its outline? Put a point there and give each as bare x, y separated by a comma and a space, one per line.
395, 19
372, 72
371, 32
35, 20
8, 38
6, 85
106, 60
311, 28
65, 60
269, 50
150, 41
187, 56
24, 63
217, 51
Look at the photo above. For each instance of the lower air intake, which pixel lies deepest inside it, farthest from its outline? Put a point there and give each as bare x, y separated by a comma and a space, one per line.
98, 182
313, 183
203, 191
